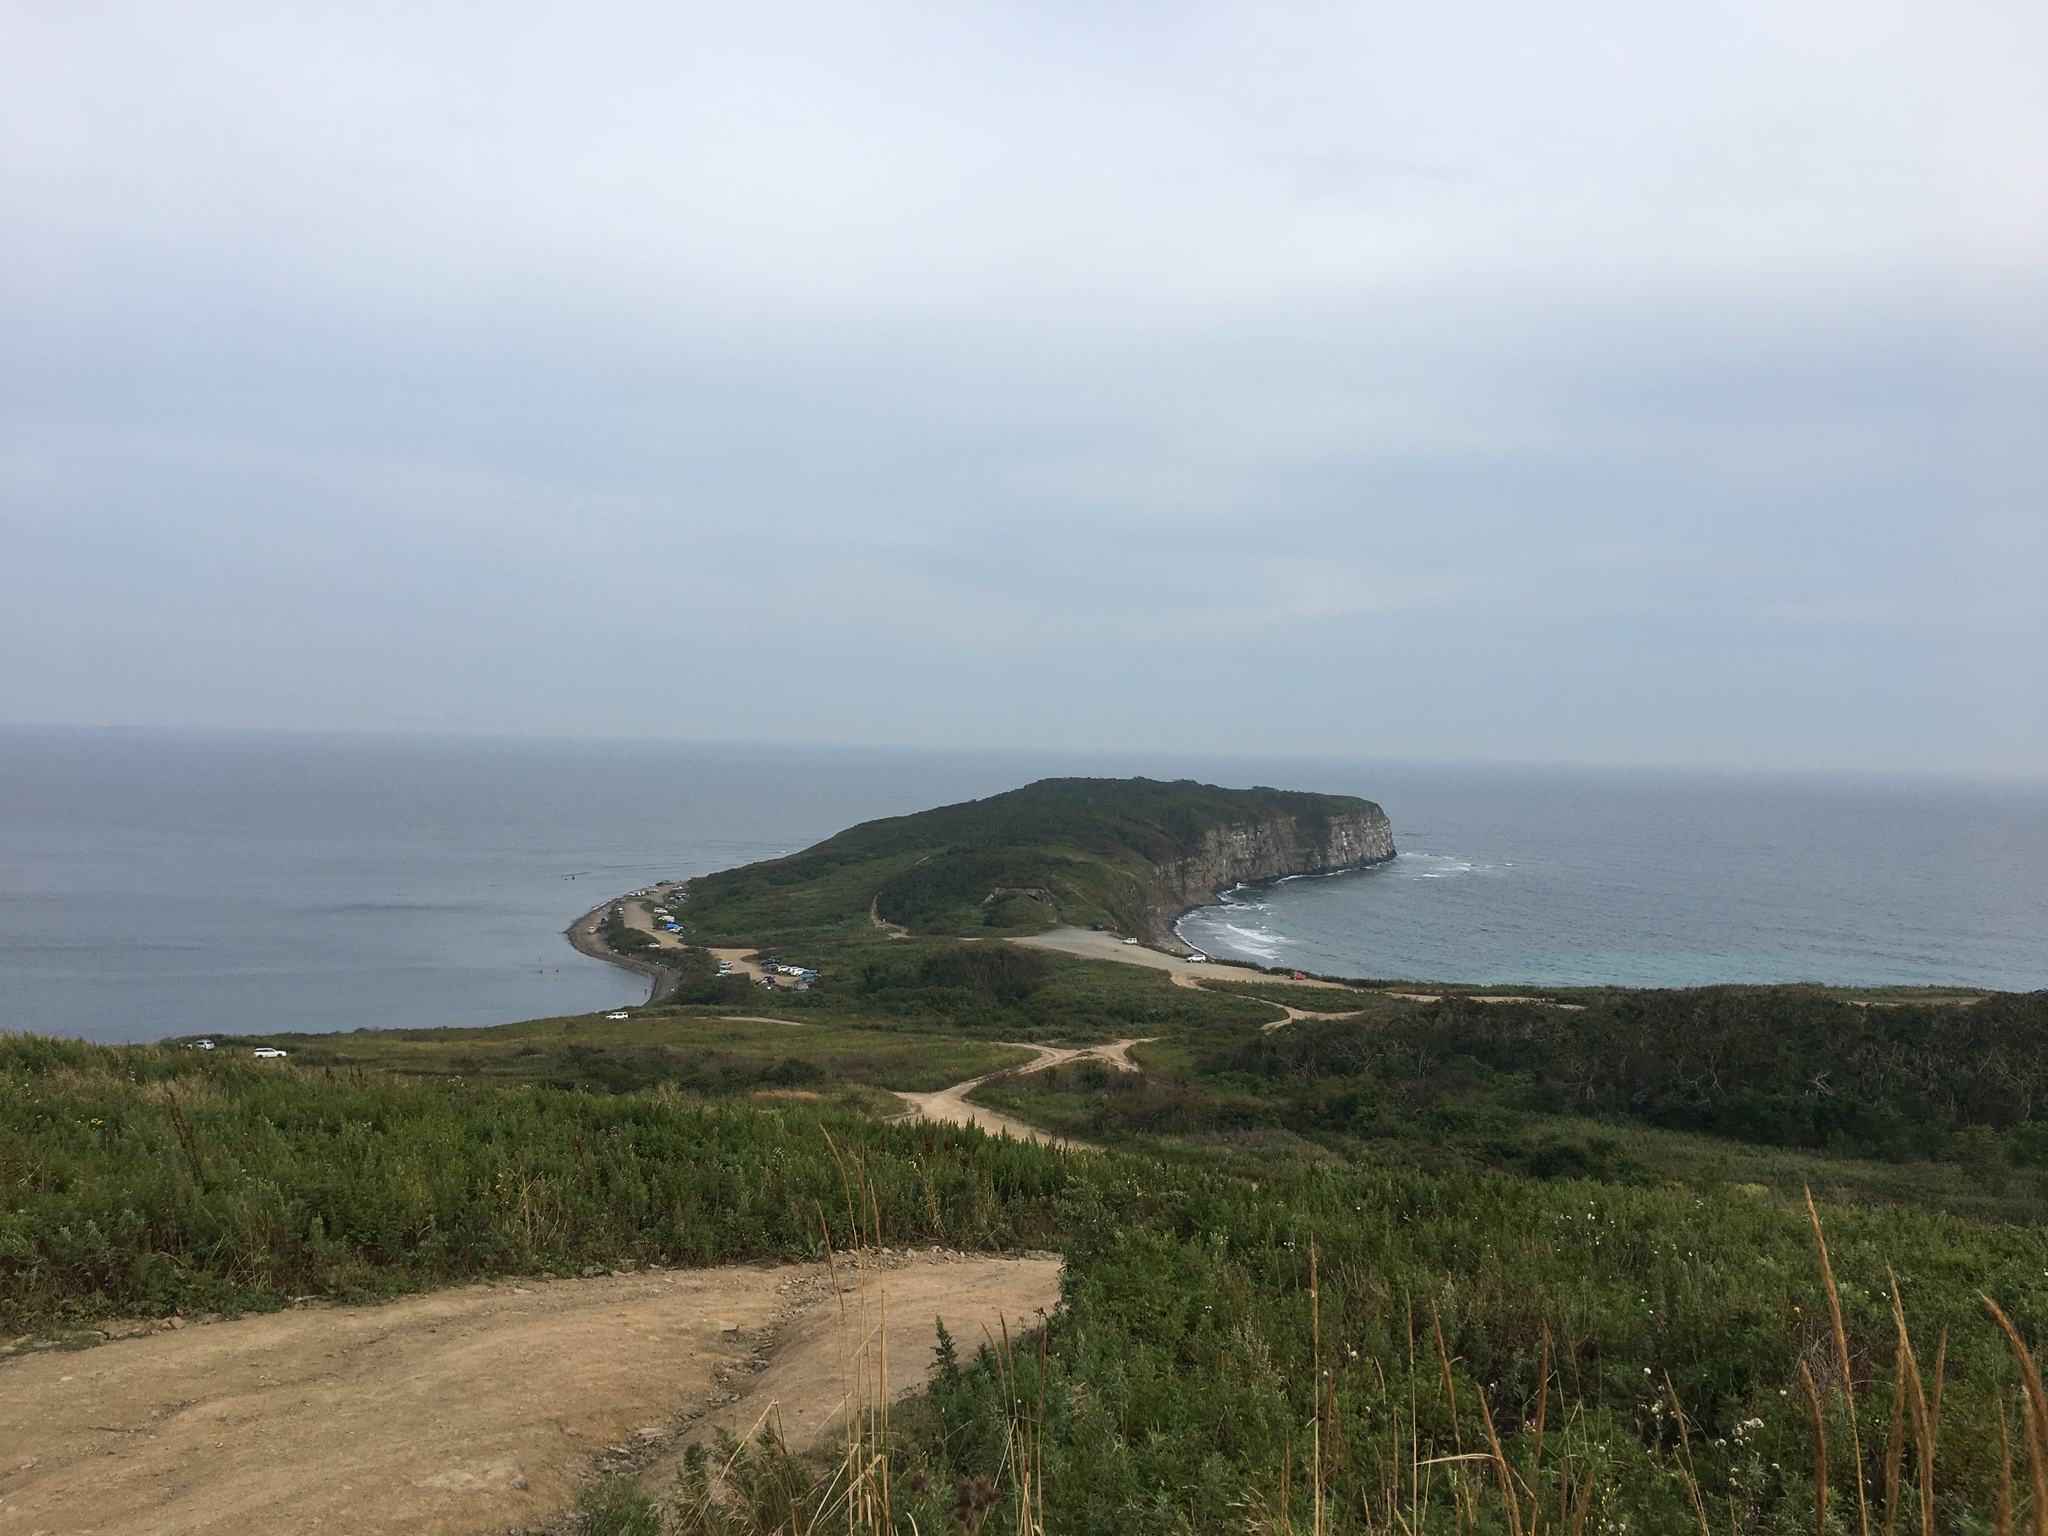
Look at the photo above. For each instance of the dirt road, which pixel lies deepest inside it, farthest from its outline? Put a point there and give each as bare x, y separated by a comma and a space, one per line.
1091, 945
951, 1105
471, 1410
1296, 1015
744, 962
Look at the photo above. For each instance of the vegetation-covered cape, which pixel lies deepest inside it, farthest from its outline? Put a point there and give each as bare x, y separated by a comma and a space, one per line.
1061, 851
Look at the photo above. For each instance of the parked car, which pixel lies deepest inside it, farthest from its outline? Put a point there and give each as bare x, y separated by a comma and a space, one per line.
270, 1053
199, 1045
1130, 941
616, 1015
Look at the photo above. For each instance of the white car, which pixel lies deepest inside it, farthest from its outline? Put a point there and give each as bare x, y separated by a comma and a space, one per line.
270, 1053
616, 1015
1130, 941
200, 1045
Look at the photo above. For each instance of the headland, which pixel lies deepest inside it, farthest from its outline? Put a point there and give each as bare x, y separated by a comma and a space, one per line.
1126, 856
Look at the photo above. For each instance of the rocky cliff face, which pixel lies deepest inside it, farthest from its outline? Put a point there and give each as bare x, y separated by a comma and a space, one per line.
1268, 850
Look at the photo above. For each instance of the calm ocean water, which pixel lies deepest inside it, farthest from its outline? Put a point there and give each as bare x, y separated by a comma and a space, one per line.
1666, 880
155, 884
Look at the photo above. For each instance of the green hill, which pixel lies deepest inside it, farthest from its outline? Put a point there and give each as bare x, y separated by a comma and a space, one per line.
1129, 854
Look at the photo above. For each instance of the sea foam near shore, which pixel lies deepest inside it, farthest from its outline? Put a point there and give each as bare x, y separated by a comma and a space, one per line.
1554, 878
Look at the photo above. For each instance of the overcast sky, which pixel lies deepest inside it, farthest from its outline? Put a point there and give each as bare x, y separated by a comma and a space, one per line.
1619, 383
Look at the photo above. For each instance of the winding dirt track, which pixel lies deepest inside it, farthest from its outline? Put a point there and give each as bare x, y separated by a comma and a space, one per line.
1296, 1015
951, 1106
478, 1409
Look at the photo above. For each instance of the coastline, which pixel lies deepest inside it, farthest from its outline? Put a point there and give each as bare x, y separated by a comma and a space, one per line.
583, 938
1216, 899
1262, 853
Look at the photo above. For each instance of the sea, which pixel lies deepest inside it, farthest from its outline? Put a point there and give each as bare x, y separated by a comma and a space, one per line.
158, 883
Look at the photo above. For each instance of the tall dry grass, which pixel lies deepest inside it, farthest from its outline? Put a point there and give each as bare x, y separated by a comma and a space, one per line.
1915, 1421
1442, 1466
757, 1487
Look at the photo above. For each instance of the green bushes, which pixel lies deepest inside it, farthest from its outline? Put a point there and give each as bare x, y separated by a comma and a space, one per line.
1095, 846
141, 1179
1760, 1065
663, 1046
996, 991
1191, 1365
1190, 1369
694, 979
1768, 1066
622, 939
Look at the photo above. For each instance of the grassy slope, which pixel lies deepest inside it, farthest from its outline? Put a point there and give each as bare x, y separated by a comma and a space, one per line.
1177, 1390
1090, 842
1935, 1104
143, 1178
691, 1051
1178, 1387
1621, 1180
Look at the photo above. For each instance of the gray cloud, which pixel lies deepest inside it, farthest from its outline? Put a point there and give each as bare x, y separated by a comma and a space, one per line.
1567, 383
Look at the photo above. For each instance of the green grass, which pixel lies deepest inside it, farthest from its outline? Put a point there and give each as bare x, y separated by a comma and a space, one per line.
1094, 847
992, 991
1624, 1179
139, 1179
682, 1049
1788, 1067
1308, 999
1050, 998
1181, 1386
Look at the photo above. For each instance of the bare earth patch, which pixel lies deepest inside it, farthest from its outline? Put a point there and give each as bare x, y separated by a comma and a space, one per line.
477, 1409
